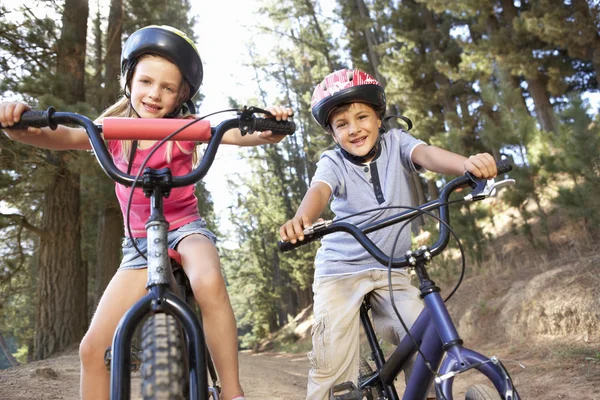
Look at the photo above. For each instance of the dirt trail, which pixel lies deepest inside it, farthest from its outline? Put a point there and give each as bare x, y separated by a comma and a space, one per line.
276, 376
264, 376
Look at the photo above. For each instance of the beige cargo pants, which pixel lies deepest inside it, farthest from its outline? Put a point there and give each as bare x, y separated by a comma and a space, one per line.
334, 358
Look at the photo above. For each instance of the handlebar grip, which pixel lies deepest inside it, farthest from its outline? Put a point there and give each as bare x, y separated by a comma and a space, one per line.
287, 246
36, 119
277, 127
503, 166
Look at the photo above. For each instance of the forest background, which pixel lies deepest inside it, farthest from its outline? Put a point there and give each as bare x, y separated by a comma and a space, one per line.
504, 76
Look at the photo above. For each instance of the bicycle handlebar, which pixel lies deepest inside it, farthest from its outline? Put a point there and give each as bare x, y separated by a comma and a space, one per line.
154, 129
323, 228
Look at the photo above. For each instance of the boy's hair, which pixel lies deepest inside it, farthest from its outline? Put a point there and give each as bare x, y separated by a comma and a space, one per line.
340, 108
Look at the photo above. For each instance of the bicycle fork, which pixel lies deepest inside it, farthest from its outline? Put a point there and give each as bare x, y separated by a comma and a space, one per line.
458, 358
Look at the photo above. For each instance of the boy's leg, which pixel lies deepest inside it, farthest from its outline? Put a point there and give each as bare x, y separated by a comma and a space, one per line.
200, 261
409, 305
335, 335
124, 289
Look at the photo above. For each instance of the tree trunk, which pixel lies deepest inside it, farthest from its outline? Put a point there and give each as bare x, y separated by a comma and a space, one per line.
62, 285
543, 108
113, 52
62, 282
71, 52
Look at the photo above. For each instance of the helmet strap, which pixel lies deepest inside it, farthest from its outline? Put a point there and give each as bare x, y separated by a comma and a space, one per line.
360, 160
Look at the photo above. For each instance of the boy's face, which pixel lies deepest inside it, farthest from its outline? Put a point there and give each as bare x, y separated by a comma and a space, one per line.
356, 129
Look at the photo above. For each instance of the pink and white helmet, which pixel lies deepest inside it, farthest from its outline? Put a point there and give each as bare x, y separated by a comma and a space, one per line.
346, 86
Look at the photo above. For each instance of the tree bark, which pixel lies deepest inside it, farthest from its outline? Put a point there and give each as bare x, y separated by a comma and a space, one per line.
62, 284
113, 51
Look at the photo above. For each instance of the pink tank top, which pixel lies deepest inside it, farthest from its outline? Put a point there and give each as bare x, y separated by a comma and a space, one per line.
180, 208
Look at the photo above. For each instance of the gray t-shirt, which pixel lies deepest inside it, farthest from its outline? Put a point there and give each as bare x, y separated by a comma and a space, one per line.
383, 182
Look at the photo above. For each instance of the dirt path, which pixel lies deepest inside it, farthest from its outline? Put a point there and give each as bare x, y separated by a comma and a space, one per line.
264, 376
275, 376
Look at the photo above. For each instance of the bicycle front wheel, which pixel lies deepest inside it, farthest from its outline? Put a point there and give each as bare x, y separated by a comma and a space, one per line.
481, 392
163, 366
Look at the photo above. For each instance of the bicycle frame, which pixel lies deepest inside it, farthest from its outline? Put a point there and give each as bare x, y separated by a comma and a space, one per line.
157, 184
435, 334
433, 331
159, 299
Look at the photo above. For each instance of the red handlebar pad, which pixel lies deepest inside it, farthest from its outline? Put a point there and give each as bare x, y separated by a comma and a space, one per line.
154, 129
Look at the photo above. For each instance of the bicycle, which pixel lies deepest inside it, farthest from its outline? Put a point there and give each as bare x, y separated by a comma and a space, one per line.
433, 334
178, 370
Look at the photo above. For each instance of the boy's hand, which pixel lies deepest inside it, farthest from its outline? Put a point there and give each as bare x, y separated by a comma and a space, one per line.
280, 114
481, 165
293, 230
10, 113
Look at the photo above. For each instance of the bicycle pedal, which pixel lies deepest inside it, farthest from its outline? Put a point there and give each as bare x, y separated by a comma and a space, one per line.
345, 391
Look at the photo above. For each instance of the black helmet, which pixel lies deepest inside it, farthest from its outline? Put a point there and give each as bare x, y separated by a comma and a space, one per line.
167, 42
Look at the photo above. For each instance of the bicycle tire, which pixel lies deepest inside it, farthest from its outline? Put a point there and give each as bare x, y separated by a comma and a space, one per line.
163, 366
365, 370
481, 392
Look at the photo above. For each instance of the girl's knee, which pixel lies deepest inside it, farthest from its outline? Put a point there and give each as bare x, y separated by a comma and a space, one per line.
91, 349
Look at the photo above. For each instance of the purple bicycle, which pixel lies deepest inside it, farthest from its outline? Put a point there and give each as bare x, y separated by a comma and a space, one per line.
440, 351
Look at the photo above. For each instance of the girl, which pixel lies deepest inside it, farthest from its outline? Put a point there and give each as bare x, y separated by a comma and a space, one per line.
161, 72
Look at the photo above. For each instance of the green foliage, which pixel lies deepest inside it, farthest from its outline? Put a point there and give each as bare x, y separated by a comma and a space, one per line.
577, 158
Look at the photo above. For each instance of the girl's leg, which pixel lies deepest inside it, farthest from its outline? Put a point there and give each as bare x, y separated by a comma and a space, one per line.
201, 263
124, 289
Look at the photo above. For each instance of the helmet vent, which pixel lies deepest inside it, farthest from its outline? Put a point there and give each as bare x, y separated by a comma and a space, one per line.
350, 75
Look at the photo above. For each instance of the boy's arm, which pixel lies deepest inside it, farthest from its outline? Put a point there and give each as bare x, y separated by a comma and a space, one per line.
445, 162
314, 202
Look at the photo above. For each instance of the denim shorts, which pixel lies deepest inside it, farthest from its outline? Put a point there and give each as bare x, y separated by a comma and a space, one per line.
131, 258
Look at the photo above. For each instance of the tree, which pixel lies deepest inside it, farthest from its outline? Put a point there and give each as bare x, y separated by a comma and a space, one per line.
62, 289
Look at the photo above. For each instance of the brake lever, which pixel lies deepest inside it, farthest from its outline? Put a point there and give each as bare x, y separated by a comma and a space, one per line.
488, 188
317, 227
246, 118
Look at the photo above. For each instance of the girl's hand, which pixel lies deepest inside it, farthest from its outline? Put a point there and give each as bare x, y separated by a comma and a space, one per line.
280, 114
10, 113
481, 165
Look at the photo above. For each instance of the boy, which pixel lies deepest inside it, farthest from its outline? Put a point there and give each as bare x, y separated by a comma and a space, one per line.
368, 169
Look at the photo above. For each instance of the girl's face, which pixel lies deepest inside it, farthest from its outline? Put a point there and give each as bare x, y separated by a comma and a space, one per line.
356, 129
155, 87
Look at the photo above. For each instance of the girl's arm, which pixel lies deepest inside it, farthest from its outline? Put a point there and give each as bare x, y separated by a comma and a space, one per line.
63, 138
234, 136
445, 162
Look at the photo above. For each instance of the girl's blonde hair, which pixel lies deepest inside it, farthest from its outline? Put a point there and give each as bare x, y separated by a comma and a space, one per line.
123, 108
